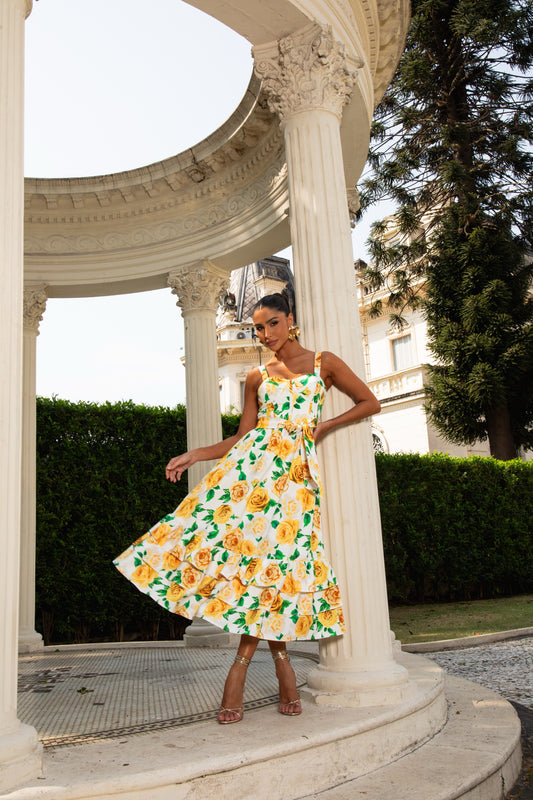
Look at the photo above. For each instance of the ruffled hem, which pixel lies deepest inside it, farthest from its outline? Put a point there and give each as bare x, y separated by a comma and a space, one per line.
266, 612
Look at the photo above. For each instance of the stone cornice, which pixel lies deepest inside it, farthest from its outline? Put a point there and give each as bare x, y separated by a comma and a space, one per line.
115, 211
393, 19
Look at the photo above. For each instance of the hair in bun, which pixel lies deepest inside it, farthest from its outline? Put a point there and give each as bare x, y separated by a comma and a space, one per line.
279, 301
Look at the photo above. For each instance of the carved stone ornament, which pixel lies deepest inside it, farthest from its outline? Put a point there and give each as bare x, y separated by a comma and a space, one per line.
35, 298
354, 204
305, 70
199, 288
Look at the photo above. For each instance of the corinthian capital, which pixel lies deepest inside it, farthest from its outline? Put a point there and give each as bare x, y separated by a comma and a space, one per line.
305, 70
198, 287
35, 298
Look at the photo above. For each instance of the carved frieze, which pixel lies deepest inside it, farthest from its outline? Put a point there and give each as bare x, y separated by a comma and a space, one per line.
307, 69
199, 287
35, 298
220, 210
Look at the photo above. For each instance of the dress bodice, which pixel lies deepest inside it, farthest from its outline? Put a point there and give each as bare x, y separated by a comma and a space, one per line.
287, 402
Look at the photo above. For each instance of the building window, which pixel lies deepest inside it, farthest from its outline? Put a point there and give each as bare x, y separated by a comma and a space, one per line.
402, 352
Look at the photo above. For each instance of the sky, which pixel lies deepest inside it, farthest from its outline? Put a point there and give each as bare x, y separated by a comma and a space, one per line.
113, 85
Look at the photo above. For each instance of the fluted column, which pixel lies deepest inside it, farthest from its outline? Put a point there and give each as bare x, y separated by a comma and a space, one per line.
34, 307
20, 752
199, 288
308, 80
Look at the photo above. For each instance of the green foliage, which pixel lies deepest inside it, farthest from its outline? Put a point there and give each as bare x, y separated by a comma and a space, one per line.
451, 145
452, 528
480, 326
455, 528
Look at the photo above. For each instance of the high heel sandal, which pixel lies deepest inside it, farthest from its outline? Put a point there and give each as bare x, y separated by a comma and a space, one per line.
238, 711
296, 705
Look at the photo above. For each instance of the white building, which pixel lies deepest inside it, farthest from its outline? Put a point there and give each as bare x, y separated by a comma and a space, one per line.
394, 361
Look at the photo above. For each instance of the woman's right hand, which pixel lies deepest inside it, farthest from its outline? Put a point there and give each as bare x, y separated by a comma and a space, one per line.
177, 465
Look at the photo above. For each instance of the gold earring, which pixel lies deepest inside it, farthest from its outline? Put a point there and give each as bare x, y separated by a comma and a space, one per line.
294, 332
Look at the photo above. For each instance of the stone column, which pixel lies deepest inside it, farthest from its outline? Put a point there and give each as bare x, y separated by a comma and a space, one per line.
199, 288
308, 80
34, 306
20, 751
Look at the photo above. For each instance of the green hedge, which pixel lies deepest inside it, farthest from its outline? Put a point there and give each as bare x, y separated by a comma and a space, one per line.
453, 528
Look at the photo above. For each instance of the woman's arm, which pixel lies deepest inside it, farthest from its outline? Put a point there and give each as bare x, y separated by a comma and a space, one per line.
337, 373
177, 465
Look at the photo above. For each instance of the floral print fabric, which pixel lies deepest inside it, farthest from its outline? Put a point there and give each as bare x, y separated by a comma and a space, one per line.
243, 550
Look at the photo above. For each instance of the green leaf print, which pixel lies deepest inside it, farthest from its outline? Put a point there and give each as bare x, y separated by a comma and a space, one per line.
278, 554
294, 615
307, 519
225, 496
278, 462
210, 494
137, 561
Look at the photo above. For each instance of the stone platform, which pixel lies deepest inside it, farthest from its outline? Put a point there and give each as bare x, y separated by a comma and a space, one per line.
137, 723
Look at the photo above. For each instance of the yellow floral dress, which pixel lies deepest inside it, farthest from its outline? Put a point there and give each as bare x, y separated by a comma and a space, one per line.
243, 550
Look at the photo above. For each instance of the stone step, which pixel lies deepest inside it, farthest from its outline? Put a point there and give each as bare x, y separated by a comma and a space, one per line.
458, 741
476, 756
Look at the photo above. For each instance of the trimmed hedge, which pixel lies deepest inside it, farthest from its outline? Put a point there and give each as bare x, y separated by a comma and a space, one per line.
453, 528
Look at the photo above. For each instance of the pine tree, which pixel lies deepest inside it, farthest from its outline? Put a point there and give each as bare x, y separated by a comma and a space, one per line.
451, 144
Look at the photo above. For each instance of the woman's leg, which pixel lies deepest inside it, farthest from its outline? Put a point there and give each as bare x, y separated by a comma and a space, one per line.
289, 702
231, 706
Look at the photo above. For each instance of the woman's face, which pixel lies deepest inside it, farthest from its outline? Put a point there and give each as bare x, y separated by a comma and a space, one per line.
272, 327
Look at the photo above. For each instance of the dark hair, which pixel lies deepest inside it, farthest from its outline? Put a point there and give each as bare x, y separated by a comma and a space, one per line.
277, 302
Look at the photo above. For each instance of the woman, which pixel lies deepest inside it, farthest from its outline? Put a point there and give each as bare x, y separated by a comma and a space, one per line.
243, 549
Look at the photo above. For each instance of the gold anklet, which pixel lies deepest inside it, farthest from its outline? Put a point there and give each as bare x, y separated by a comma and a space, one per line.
280, 654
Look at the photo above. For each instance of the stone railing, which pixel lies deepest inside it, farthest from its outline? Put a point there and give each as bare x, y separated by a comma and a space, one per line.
398, 384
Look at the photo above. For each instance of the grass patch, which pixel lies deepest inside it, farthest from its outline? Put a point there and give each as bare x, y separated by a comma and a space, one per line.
431, 622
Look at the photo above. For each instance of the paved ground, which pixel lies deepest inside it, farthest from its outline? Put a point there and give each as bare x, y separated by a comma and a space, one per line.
80, 696
507, 668
74, 696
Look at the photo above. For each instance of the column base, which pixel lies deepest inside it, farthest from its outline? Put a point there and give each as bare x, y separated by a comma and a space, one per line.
204, 634
20, 757
383, 687
30, 642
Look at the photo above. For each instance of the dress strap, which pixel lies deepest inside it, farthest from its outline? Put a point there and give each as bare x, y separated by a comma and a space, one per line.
264, 373
318, 362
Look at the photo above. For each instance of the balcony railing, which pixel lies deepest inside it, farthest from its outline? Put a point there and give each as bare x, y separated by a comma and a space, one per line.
399, 384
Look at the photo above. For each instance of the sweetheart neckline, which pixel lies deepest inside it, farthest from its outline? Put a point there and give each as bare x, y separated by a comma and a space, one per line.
290, 380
